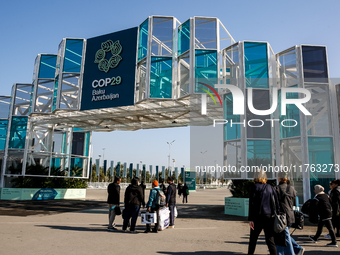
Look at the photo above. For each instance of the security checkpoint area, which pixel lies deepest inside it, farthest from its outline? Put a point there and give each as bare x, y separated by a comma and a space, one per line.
163, 74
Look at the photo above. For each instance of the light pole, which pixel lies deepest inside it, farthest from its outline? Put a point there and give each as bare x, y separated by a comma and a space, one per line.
169, 156
173, 167
201, 179
103, 164
99, 167
141, 165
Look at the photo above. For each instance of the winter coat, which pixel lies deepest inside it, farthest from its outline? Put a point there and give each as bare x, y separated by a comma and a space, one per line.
113, 191
261, 201
133, 195
287, 198
171, 194
323, 206
335, 201
153, 197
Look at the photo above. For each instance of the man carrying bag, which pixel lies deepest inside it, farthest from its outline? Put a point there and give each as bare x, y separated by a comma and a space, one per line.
113, 200
153, 205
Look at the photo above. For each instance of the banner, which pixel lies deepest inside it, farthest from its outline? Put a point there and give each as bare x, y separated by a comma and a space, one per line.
176, 172
157, 175
105, 165
124, 170
97, 166
182, 173
137, 171
111, 168
131, 170
163, 172
144, 173
90, 172
118, 169
150, 167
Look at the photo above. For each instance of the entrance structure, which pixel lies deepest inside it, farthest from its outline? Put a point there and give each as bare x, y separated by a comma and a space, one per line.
159, 75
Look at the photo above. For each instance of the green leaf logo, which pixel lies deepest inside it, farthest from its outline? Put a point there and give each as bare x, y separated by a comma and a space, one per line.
115, 48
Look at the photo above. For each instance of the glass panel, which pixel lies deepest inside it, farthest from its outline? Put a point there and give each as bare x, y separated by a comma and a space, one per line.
232, 158
256, 64
44, 97
78, 140
73, 55
162, 34
18, 133
261, 101
77, 165
184, 74
205, 33
288, 71
161, 77
205, 70
14, 162
319, 122
87, 144
55, 93
231, 132
69, 91
5, 102
314, 64
258, 153
232, 65
291, 155
47, 66
3, 133
143, 40
22, 100
321, 159
292, 112
184, 37
141, 81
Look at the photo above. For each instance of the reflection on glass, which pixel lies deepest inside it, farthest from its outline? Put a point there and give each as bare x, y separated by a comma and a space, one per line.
141, 81
288, 71
18, 133
161, 77
162, 33
73, 55
205, 33
47, 66
314, 64
184, 74
205, 69
231, 132
143, 40
184, 37
3, 133
232, 158
259, 153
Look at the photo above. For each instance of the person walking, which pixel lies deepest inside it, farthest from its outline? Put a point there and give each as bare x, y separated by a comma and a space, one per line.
143, 188
113, 199
153, 206
171, 201
323, 207
185, 191
261, 212
163, 188
132, 200
180, 187
287, 198
335, 202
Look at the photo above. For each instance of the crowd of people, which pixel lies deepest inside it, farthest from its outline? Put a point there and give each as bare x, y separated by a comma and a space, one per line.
134, 200
266, 202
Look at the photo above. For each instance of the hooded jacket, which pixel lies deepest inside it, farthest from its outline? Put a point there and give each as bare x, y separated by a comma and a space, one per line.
287, 199
133, 195
335, 201
153, 197
113, 191
323, 206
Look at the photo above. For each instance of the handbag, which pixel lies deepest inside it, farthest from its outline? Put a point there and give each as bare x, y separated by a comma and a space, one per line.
299, 220
280, 219
117, 210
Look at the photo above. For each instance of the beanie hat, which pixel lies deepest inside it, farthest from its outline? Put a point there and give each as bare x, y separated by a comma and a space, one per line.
155, 183
318, 189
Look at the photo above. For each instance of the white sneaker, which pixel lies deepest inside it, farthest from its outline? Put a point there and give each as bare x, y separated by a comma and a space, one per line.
173, 226
328, 237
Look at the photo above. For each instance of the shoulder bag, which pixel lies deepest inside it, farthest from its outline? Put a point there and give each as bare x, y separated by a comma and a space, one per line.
280, 220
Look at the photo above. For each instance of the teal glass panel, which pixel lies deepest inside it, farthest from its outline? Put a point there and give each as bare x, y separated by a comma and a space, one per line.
18, 133
184, 37
3, 133
258, 153
55, 93
256, 64
205, 70
321, 159
292, 112
76, 167
143, 40
87, 144
47, 66
161, 77
231, 132
73, 55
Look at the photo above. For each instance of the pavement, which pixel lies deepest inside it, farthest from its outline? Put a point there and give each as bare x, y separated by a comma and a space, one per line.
80, 227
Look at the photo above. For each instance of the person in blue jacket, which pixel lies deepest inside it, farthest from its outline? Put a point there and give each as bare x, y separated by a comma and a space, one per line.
153, 206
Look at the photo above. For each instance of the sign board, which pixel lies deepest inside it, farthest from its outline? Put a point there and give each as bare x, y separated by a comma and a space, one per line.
109, 71
40, 194
236, 206
190, 180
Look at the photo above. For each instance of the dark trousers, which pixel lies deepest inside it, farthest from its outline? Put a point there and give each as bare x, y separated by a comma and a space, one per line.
185, 196
148, 226
329, 226
130, 212
336, 224
266, 223
172, 214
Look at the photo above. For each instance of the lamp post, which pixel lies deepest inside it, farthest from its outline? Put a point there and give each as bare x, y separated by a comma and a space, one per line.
141, 165
99, 167
201, 179
173, 167
169, 156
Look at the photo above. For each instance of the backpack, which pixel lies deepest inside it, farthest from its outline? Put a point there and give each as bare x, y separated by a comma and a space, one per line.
161, 199
187, 191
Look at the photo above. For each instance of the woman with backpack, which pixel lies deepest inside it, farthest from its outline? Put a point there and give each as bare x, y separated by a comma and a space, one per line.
287, 198
185, 192
261, 212
335, 201
153, 205
322, 205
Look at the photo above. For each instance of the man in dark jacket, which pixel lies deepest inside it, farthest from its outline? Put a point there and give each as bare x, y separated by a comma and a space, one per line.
335, 200
171, 201
113, 199
287, 199
323, 207
132, 200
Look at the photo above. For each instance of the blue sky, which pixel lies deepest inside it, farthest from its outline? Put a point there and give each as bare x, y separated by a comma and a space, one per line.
28, 28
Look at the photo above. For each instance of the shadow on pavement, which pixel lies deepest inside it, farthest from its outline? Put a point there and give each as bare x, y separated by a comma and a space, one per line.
199, 252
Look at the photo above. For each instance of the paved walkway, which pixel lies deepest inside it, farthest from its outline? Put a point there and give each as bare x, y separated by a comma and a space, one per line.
79, 227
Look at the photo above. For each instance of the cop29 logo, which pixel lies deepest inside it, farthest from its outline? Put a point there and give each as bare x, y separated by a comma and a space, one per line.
115, 48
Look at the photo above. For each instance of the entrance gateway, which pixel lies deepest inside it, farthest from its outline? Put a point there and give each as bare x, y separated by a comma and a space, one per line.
164, 73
